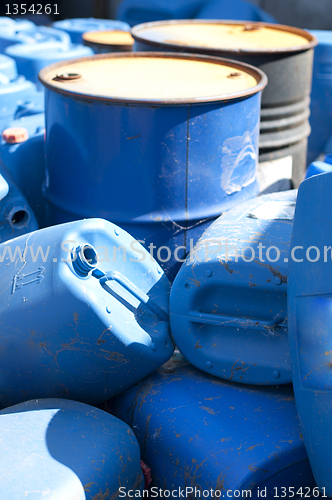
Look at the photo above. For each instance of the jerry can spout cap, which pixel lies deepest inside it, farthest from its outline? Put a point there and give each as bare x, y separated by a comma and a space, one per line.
84, 259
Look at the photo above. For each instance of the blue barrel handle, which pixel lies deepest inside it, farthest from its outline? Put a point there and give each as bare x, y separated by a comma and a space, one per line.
135, 291
232, 321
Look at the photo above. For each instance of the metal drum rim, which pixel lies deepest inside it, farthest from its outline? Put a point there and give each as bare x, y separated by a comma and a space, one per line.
251, 70
313, 41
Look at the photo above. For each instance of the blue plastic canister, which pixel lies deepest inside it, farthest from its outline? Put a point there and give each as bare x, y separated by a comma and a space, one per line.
12, 93
165, 147
66, 450
33, 104
30, 35
16, 216
25, 159
76, 27
229, 300
7, 22
318, 167
215, 437
30, 59
309, 316
321, 96
8, 66
85, 316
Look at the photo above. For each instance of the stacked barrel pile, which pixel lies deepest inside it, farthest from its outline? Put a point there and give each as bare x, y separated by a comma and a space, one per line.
147, 317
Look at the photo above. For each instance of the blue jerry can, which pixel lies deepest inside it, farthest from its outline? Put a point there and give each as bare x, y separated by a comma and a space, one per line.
309, 313
76, 27
12, 93
25, 160
8, 66
30, 59
16, 216
215, 437
24, 34
229, 300
84, 311
64, 450
318, 167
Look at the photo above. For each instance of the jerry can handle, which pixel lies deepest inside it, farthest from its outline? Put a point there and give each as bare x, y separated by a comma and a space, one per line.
233, 321
135, 291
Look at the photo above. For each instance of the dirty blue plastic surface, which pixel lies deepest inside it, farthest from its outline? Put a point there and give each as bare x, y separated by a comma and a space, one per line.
16, 216
81, 329
309, 313
229, 300
233, 9
8, 66
321, 96
76, 27
30, 59
30, 35
26, 162
213, 172
12, 92
142, 11
318, 167
65, 450
200, 432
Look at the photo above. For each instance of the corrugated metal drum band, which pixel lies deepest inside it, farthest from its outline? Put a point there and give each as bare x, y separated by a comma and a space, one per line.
287, 63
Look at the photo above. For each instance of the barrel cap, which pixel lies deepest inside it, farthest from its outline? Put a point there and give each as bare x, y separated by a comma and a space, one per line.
15, 135
214, 36
154, 77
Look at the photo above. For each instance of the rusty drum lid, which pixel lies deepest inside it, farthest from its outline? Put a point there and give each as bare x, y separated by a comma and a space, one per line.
164, 78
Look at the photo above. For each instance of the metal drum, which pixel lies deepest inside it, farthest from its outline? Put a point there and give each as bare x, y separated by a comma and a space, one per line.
66, 450
284, 53
229, 300
76, 27
215, 437
32, 58
102, 42
83, 312
309, 320
159, 144
321, 96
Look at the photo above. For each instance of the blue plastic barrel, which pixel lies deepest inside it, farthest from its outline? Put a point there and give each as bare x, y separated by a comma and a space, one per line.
86, 314
30, 35
309, 316
8, 66
66, 450
233, 9
76, 27
16, 216
25, 161
12, 93
321, 96
229, 300
318, 167
161, 152
30, 59
215, 437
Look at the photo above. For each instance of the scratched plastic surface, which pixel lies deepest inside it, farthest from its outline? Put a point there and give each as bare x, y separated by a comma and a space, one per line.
64, 450
16, 215
200, 431
79, 329
309, 312
229, 316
